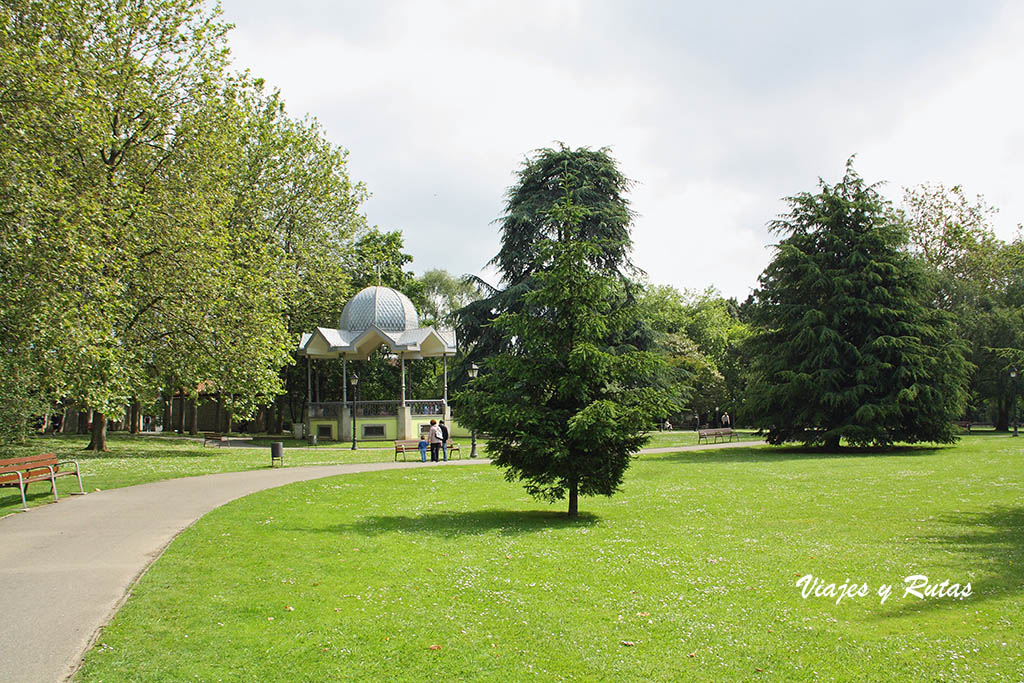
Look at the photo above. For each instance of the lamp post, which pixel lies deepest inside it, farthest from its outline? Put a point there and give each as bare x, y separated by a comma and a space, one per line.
352, 408
1013, 376
473, 372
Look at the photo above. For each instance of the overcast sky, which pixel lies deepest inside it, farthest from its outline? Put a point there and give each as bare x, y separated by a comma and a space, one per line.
716, 109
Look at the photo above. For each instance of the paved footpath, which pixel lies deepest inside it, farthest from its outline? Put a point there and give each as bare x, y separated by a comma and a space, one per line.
66, 568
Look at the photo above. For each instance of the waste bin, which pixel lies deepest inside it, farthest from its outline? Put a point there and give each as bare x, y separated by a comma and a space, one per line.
277, 453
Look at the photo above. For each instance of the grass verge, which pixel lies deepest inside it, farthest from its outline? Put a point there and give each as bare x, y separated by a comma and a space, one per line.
688, 574
142, 459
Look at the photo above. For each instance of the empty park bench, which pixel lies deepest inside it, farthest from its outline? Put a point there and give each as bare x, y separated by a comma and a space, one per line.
965, 424
403, 446
220, 438
28, 469
713, 435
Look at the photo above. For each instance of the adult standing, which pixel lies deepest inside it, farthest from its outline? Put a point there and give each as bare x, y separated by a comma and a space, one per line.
434, 437
444, 439
725, 420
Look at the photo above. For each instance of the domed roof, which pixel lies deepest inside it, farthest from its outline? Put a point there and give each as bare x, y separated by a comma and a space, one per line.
381, 307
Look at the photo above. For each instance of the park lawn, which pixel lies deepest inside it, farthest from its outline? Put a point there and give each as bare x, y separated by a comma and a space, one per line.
689, 438
142, 459
689, 573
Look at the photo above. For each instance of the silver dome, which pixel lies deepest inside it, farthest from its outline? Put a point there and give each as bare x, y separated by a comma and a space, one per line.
381, 307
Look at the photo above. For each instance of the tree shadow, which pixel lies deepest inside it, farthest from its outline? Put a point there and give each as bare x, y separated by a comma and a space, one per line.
455, 524
994, 544
786, 453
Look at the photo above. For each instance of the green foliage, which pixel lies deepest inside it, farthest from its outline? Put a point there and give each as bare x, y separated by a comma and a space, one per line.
978, 279
702, 339
565, 407
444, 294
165, 223
849, 347
598, 189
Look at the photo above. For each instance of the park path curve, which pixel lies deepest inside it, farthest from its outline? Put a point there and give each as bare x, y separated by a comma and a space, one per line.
66, 568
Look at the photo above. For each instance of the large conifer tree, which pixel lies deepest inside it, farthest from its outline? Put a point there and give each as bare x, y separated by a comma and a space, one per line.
848, 347
565, 403
598, 188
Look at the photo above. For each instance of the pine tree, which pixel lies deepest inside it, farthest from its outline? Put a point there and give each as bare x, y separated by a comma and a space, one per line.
848, 348
565, 407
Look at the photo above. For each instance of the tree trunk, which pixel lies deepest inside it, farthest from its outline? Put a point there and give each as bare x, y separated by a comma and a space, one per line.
98, 442
574, 498
273, 423
1002, 415
84, 421
181, 413
133, 417
64, 420
219, 420
168, 399
193, 417
832, 443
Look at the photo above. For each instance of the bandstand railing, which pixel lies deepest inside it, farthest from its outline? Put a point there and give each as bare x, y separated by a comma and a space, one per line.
335, 409
377, 408
329, 409
424, 408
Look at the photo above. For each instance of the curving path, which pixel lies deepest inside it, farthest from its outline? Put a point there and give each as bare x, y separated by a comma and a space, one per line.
66, 568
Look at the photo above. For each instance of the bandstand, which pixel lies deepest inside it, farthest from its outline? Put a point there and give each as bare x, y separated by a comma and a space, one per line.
375, 317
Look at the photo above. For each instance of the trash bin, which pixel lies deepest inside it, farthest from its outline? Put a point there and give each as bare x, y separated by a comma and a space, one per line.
277, 453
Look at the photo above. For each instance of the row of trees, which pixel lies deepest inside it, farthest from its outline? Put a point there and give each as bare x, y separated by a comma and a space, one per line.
166, 225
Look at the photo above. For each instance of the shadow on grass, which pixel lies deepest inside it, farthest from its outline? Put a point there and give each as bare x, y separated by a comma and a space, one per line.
453, 524
993, 542
10, 497
785, 453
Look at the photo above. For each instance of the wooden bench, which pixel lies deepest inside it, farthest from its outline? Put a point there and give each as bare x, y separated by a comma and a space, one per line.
404, 446
964, 424
29, 469
713, 435
218, 437
453, 448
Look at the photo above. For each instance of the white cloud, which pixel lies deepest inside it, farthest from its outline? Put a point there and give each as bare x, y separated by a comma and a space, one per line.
717, 112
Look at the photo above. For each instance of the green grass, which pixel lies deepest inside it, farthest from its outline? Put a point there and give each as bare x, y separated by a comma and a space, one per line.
695, 563
689, 438
141, 459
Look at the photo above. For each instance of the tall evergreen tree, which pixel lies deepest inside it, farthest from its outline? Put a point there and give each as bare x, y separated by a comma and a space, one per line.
598, 188
564, 405
848, 348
